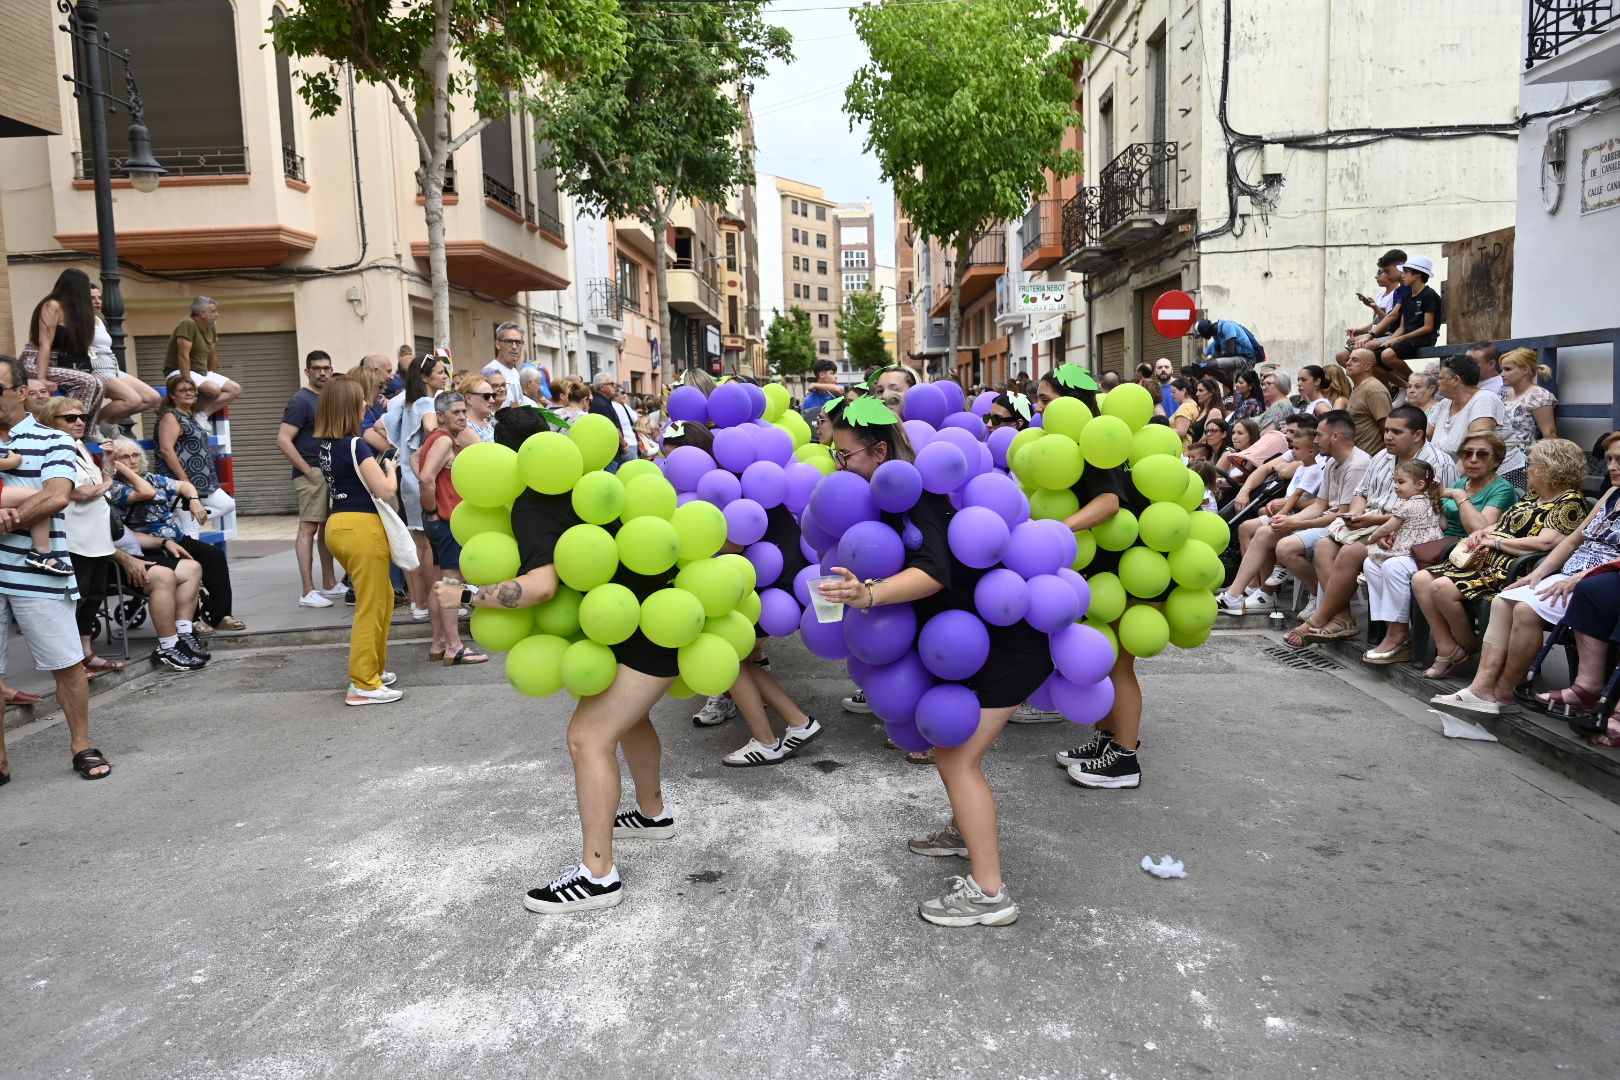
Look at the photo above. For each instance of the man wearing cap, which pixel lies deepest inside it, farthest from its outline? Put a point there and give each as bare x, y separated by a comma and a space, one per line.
1227, 338
1421, 312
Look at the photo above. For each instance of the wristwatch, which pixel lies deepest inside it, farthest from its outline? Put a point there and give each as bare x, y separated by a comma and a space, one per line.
467, 594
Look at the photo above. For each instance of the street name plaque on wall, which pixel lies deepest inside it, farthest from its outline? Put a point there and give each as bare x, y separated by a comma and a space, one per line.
1600, 176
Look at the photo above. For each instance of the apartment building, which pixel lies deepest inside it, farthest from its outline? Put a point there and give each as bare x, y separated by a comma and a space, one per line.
694, 253
906, 340
809, 254
28, 108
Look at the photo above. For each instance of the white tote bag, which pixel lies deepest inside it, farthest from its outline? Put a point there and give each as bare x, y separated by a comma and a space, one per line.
401, 548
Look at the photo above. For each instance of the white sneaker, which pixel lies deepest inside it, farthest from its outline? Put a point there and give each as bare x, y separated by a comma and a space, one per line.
1277, 576
754, 753
381, 696
1259, 600
1227, 604
334, 593
420, 614
313, 598
1309, 609
857, 703
388, 678
1029, 714
717, 710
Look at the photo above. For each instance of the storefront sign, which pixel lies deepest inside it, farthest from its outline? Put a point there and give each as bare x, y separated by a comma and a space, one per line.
1600, 176
1047, 329
1032, 296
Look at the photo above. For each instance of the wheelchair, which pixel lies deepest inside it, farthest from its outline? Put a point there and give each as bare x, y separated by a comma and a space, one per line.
1582, 723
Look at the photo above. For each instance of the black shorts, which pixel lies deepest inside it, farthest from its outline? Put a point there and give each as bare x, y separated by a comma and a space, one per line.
639, 654
1408, 349
1020, 660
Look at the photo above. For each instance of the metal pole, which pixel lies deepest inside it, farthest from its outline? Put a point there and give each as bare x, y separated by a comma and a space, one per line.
88, 13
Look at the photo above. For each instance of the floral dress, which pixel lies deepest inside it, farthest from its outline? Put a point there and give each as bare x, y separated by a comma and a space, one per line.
1523, 519
1519, 430
1419, 525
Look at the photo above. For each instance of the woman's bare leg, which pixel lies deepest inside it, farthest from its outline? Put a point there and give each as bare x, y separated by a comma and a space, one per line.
973, 805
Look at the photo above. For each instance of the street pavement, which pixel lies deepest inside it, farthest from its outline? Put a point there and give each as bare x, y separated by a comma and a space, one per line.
273, 886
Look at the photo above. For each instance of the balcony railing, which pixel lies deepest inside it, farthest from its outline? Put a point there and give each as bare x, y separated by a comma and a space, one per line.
179, 161
604, 299
499, 192
990, 250
1081, 220
292, 164
1557, 24
708, 294
1043, 226
449, 181
547, 221
1141, 181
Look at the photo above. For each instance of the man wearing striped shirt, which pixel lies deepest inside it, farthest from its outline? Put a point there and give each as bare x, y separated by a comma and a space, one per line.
43, 604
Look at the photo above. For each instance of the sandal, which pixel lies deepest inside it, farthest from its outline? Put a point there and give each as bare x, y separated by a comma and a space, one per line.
202, 628
231, 622
1328, 633
99, 665
922, 757
435, 656
22, 697
1444, 665
39, 560
1607, 739
464, 656
1400, 654
1300, 636
86, 762
1569, 700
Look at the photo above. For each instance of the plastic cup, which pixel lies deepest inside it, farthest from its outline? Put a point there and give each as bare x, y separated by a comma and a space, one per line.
826, 610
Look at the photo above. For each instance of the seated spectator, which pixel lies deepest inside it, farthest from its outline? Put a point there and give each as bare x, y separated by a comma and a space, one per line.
577, 400
1185, 410
194, 352
1280, 467
1313, 386
1385, 307
1206, 473
1527, 410
185, 448
1227, 338
1254, 586
149, 504
1570, 581
1245, 402
1423, 391
1539, 522
1489, 359
531, 385
1336, 385
1275, 386
1421, 314
1208, 396
1234, 464
60, 333
172, 594
1216, 437
1464, 407
125, 395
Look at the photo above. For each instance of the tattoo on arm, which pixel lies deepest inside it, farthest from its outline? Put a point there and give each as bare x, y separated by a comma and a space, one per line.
508, 594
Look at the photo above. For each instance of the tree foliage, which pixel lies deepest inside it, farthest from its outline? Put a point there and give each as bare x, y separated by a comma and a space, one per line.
429, 53
790, 347
860, 327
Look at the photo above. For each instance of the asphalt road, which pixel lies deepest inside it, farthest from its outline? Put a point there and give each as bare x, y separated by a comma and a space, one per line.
272, 885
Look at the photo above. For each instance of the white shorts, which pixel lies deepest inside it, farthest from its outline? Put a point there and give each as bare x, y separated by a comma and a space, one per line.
49, 624
203, 378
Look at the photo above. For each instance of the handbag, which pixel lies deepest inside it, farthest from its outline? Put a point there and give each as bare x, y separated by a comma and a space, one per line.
1430, 552
401, 548
1466, 557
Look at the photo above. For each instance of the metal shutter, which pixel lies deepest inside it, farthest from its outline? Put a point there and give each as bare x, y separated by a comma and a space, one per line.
267, 367
1150, 343
1111, 351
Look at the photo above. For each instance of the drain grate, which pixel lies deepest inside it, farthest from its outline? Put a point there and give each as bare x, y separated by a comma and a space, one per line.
1301, 659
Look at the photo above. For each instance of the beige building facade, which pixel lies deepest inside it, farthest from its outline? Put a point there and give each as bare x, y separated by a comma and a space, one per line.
810, 259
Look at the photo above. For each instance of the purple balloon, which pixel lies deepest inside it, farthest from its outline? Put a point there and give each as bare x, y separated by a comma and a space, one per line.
734, 448
943, 466
1081, 654
801, 581
948, 715
767, 560
687, 465
1082, 704
925, 402
684, 497
771, 443
982, 403
987, 460
808, 552
688, 403
1033, 551
825, 639
766, 483
896, 486
978, 537
998, 441
745, 522
894, 689
1052, 604
1041, 697
963, 441
966, 421
955, 396
801, 481
883, 634
779, 613
870, 549
811, 532
1038, 421
954, 645
905, 735
1001, 493
840, 500
720, 488
859, 671
1082, 591
757, 401
1001, 597
1067, 546
730, 405
918, 434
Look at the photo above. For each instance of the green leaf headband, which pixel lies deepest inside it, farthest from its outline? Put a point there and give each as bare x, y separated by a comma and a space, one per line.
558, 422
1074, 377
869, 412
1020, 405
832, 407
675, 430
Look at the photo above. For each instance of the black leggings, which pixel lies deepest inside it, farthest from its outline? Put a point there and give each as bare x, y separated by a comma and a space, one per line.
92, 571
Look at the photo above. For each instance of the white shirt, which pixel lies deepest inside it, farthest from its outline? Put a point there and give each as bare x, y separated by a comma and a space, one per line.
1450, 431
88, 524
1306, 478
1495, 385
514, 384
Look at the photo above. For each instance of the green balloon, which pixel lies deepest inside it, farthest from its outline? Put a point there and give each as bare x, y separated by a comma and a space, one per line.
672, 618
1025, 438
1189, 639
1065, 416
1085, 550
714, 583
534, 666
559, 616
1196, 566
487, 474
680, 691
499, 629
1108, 632
470, 519
609, 613
1155, 440
632, 470
1164, 526
1161, 479
1212, 529
745, 570
734, 628
648, 495
549, 463
1107, 598
1054, 505
1130, 403
1193, 497
1144, 573
648, 545
585, 557
488, 558
812, 453
1106, 441
1019, 458
750, 605
598, 440
777, 400
588, 668
708, 664
1117, 533
1190, 610
598, 497
1143, 631
701, 527
797, 428
1054, 462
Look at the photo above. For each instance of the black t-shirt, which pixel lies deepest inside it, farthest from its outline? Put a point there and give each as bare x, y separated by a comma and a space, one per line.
538, 521
1414, 307
1095, 482
783, 531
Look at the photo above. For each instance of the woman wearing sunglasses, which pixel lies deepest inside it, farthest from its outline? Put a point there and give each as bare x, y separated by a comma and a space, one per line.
1010, 409
480, 398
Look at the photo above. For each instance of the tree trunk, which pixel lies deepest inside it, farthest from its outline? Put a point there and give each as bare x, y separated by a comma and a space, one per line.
438, 62
958, 273
666, 345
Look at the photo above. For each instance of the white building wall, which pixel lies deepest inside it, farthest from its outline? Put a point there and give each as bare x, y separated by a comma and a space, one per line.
768, 203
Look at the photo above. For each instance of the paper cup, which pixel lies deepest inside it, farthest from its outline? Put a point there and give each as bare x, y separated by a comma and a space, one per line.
826, 610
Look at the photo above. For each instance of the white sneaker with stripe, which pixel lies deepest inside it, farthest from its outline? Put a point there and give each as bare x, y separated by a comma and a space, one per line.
755, 753
795, 739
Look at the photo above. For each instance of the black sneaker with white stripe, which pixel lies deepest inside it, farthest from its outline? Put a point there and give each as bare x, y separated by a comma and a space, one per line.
634, 825
575, 891
1085, 751
796, 738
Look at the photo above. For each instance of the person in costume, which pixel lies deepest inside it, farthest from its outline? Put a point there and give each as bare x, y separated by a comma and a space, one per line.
1010, 409
602, 725
865, 435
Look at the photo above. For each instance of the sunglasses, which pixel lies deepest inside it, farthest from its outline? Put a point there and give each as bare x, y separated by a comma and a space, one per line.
487, 397
1474, 453
511, 341
997, 421
71, 417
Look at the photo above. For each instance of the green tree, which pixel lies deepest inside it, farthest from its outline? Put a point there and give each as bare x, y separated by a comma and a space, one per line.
666, 124
790, 347
966, 107
860, 327
427, 54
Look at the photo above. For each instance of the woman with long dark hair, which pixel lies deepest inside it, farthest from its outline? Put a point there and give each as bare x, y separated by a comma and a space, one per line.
125, 394
1247, 401
62, 329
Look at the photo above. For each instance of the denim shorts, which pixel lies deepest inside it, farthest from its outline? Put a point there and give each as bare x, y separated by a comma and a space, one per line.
1309, 537
446, 552
49, 624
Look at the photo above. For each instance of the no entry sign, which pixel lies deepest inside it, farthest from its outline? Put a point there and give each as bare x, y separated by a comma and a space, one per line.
1174, 314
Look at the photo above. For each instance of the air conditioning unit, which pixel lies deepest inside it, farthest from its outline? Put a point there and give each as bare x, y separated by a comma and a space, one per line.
652, 334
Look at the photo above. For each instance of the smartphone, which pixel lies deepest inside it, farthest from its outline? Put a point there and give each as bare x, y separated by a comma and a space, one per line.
391, 454
1364, 298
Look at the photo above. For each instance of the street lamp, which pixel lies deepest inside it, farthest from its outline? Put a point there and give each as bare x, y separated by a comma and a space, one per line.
90, 53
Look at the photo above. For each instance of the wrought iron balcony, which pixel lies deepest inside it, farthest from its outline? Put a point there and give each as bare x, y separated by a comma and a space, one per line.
499, 192
1558, 24
179, 161
1081, 220
548, 221
1042, 227
292, 163
604, 300
1137, 186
